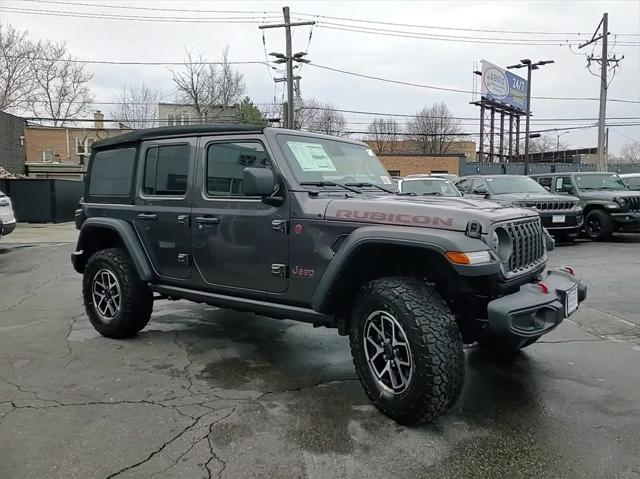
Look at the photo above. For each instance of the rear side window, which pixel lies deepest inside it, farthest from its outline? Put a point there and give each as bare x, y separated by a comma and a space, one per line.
166, 169
111, 172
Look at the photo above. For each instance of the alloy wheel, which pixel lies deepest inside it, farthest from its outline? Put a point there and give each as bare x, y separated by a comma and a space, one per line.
388, 352
106, 294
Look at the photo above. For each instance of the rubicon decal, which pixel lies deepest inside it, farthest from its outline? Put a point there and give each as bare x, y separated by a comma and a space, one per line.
394, 218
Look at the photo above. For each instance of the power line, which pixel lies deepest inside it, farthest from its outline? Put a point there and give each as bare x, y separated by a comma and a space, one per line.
150, 63
483, 41
456, 90
431, 27
159, 9
105, 16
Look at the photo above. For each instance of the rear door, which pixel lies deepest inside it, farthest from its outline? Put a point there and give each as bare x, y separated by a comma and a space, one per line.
239, 242
163, 212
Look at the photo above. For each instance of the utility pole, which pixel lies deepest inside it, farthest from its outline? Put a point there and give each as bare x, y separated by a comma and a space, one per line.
604, 61
530, 66
289, 58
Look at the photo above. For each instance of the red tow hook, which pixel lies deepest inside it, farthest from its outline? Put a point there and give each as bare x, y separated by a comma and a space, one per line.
569, 270
543, 287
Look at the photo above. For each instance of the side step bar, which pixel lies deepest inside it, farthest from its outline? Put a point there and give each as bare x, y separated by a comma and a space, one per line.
274, 310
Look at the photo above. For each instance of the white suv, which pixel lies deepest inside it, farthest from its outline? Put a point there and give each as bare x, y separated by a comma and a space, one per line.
7, 219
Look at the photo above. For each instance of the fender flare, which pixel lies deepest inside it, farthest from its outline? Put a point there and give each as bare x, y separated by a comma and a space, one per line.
439, 241
125, 232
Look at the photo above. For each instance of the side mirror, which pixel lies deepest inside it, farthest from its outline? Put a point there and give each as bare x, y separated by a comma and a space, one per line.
480, 191
257, 182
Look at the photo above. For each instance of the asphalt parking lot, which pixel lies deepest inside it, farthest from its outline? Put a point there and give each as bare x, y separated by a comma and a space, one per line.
203, 392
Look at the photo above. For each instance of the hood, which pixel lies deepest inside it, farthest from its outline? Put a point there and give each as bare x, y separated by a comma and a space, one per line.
426, 212
531, 197
607, 195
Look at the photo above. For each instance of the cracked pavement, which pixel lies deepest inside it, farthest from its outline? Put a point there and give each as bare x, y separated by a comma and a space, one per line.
204, 392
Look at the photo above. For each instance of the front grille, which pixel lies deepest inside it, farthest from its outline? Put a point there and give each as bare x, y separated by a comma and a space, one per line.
634, 203
528, 242
554, 205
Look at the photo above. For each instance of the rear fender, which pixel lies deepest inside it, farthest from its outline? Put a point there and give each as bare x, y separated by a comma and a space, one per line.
92, 237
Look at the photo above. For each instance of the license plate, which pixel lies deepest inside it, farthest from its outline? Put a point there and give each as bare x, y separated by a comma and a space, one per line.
571, 300
558, 219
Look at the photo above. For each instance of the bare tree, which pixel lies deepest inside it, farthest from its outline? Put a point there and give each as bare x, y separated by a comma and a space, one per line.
61, 85
138, 105
17, 54
545, 142
206, 86
383, 135
630, 153
321, 117
229, 86
193, 83
434, 129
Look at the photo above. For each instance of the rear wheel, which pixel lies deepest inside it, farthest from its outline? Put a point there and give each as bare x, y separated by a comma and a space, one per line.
598, 225
407, 349
117, 302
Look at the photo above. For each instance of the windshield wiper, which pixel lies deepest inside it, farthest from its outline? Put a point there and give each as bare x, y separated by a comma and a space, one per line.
371, 185
433, 193
328, 183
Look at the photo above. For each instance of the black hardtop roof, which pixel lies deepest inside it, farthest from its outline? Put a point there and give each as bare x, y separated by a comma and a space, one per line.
175, 131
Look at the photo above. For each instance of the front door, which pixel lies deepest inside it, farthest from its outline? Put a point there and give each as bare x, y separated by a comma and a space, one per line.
238, 241
164, 205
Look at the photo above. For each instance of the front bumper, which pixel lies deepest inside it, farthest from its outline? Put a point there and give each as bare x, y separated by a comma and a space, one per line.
6, 228
566, 222
535, 310
629, 221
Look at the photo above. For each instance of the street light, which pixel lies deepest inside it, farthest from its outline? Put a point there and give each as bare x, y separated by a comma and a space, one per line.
529, 65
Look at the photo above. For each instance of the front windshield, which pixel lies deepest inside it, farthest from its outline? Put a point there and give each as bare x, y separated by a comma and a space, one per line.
315, 160
633, 182
430, 187
514, 184
600, 182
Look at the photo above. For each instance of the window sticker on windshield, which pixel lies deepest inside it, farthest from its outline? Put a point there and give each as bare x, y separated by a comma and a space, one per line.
386, 180
311, 156
370, 152
489, 179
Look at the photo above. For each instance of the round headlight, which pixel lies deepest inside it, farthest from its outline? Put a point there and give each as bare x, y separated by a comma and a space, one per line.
622, 202
500, 243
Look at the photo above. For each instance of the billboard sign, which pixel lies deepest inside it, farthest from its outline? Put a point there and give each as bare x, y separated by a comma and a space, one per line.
502, 86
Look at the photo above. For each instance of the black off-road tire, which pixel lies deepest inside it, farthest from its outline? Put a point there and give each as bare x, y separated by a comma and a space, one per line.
136, 301
434, 340
598, 225
504, 348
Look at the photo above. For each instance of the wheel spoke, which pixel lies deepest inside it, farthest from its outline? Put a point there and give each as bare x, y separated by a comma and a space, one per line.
106, 294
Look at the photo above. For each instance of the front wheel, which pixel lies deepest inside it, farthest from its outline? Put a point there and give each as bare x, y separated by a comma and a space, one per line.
598, 225
407, 349
117, 302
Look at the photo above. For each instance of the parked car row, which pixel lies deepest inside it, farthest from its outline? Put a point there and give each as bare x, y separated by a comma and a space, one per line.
568, 203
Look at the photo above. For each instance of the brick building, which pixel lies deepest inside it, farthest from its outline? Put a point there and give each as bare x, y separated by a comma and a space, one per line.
403, 164
53, 151
12, 143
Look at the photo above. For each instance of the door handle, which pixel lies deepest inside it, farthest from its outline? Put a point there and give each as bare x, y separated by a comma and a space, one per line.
147, 217
208, 220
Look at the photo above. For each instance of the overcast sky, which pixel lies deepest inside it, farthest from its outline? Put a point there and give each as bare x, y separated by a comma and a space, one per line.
436, 62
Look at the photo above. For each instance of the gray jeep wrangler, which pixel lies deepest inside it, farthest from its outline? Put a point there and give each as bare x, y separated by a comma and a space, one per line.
608, 203
293, 225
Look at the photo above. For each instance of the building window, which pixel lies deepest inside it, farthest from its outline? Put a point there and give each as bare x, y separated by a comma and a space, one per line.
394, 172
83, 145
175, 119
48, 155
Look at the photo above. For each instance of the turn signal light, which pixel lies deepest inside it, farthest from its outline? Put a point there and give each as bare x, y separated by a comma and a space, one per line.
474, 257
